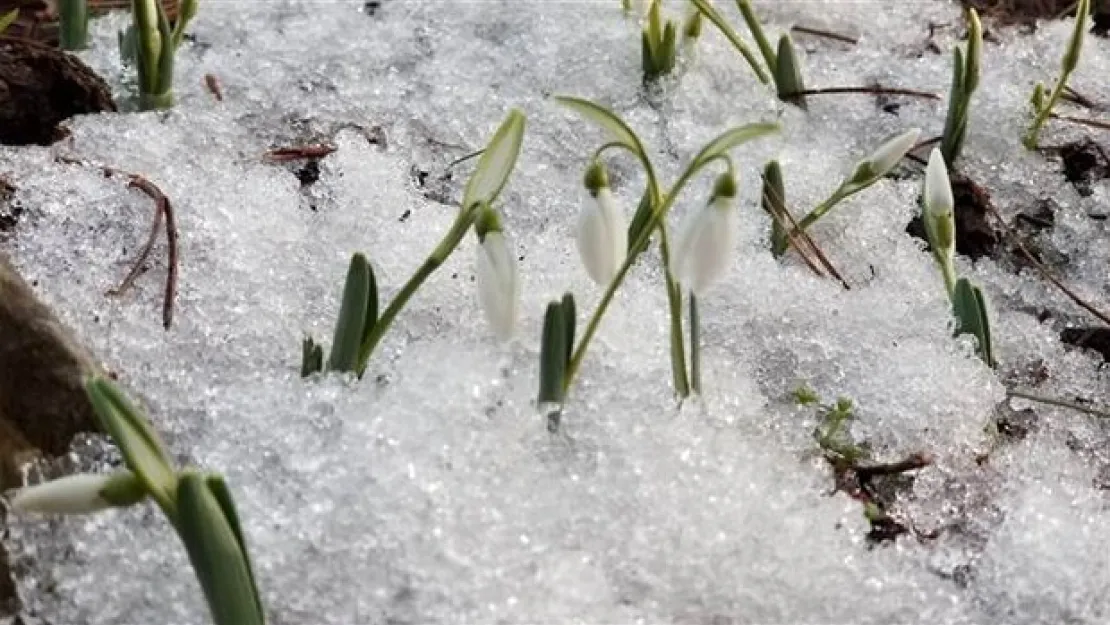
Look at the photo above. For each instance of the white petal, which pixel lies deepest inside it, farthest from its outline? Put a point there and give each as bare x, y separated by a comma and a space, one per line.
602, 237
891, 153
705, 244
938, 189
498, 286
73, 494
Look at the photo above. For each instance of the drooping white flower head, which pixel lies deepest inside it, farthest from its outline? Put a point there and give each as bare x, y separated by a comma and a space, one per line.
939, 217
891, 152
73, 494
706, 239
602, 234
496, 276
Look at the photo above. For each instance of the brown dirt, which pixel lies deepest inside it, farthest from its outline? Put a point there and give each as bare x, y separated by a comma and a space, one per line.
40, 87
38, 19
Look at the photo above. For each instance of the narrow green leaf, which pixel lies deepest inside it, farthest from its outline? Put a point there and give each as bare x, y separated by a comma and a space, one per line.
956, 118
757, 33
695, 345
730, 139
216, 554
974, 53
970, 308
8, 19
655, 25
609, 121
788, 74
138, 443
351, 325
668, 49
647, 57
496, 163
1075, 45
774, 202
372, 303
570, 319
640, 221
553, 354
734, 38
223, 497
312, 357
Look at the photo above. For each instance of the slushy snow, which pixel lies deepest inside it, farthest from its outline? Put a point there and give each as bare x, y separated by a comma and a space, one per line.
431, 491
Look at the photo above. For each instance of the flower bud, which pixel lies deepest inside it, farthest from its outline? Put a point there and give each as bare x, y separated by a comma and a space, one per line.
498, 284
706, 239
602, 235
940, 220
79, 493
887, 156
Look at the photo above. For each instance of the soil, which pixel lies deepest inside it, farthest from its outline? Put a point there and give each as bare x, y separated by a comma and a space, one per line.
38, 19
41, 87
1028, 11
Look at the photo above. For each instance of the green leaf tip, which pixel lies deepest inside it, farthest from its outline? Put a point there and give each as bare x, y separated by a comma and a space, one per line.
496, 163
357, 312
973, 317
557, 345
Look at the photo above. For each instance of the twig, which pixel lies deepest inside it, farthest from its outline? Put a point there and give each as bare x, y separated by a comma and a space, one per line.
794, 233
1102, 413
213, 85
164, 211
864, 90
1093, 123
294, 153
825, 33
1039, 266
916, 461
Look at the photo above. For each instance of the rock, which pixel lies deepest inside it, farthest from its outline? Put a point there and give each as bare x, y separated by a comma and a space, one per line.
40, 87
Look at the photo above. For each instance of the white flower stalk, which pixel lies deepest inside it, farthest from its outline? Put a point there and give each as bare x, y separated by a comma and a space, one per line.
706, 240
78, 494
939, 215
889, 154
498, 282
602, 235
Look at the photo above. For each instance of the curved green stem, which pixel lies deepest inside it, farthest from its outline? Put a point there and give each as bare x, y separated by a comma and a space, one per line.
733, 38
446, 246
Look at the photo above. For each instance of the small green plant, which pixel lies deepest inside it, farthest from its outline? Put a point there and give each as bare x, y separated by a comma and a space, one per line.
969, 305
833, 433
198, 505
609, 248
1042, 108
360, 328
658, 44
866, 173
782, 64
73, 30
965, 80
7, 19
151, 43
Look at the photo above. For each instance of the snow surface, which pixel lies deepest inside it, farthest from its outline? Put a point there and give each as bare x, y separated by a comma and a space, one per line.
431, 492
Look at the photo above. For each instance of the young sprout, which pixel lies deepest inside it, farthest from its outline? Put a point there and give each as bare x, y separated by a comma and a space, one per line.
1042, 109
152, 42
199, 506
565, 357
973, 317
866, 173
939, 217
691, 30
7, 19
73, 31
965, 79
498, 283
658, 44
360, 328
602, 230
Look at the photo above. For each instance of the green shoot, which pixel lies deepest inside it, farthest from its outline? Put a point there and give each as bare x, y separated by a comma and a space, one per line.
973, 317
1042, 108
7, 19
360, 328
965, 79
649, 219
658, 44
74, 24
153, 41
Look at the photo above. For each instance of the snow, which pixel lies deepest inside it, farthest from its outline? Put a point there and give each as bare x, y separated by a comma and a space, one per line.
431, 491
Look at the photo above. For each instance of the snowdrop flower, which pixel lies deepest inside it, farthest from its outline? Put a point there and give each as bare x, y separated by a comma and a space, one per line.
706, 239
887, 156
498, 284
602, 231
939, 217
79, 493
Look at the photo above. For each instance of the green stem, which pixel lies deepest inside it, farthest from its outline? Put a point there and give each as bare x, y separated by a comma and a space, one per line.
74, 28
733, 38
674, 304
695, 344
757, 33
948, 272
1032, 135
155, 101
446, 246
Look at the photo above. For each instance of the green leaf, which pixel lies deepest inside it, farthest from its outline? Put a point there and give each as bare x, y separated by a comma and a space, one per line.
372, 304
757, 33
655, 26
8, 19
140, 446
570, 315
955, 122
972, 317
223, 497
974, 53
788, 75
216, 553
730, 139
554, 356
668, 49
312, 357
496, 163
774, 202
350, 328
640, 221
619, 131
734, 38
647, 57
